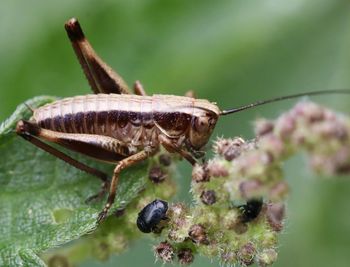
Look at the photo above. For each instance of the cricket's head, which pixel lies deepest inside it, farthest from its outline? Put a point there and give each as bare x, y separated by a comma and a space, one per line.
203, 121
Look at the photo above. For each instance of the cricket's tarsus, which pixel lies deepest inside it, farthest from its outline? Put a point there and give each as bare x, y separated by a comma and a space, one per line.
118, 127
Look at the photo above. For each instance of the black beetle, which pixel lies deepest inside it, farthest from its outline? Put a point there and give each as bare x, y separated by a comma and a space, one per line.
151, 215
251, 210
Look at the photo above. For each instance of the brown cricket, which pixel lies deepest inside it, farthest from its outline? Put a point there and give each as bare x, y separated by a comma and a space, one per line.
121, 128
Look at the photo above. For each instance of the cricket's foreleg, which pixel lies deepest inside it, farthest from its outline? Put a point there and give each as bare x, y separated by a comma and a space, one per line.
138, 89
142, 155
101, 77
171, 147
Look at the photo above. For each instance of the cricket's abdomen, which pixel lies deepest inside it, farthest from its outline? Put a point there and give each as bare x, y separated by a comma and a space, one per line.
131, 119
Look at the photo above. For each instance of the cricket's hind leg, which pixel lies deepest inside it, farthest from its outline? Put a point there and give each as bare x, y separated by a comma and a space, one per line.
101, 77
31, 132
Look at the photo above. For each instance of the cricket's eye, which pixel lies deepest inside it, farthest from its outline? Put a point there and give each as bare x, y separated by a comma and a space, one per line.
201, 124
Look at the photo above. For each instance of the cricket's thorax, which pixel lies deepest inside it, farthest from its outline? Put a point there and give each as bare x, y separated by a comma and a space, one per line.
132, 119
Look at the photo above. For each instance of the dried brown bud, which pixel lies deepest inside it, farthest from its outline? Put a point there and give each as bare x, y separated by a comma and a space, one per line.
246, 254
208, 197
229, 148
200, 173
338, 163
177, 210
217, 168
334, 129
198, 234
279, 191
263, 127
179, 222
308, 111
275, 215
156, 175
250, 189
254, 163
165, 159
267, 257
273, 146
177, 214
229, 257
185, 256
285, 126
165, 252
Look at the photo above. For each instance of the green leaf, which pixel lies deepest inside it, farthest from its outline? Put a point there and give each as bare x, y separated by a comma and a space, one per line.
42, 199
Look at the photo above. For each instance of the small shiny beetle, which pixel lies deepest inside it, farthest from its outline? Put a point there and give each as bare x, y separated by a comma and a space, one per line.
251, 210
151, 215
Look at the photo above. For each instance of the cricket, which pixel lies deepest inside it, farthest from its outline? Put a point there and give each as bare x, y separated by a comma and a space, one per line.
115, 126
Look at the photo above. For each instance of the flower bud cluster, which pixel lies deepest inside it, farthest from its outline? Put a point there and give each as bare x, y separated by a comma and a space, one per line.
324, 135
239, 194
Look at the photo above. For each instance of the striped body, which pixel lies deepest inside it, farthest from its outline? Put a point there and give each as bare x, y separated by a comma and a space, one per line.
133, 120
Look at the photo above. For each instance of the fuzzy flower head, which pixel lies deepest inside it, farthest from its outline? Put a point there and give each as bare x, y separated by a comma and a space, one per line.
239, 195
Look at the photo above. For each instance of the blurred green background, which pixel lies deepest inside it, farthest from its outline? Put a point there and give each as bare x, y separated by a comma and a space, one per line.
231, 52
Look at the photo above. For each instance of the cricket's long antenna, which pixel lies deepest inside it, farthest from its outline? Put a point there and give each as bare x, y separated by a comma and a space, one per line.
263, 102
